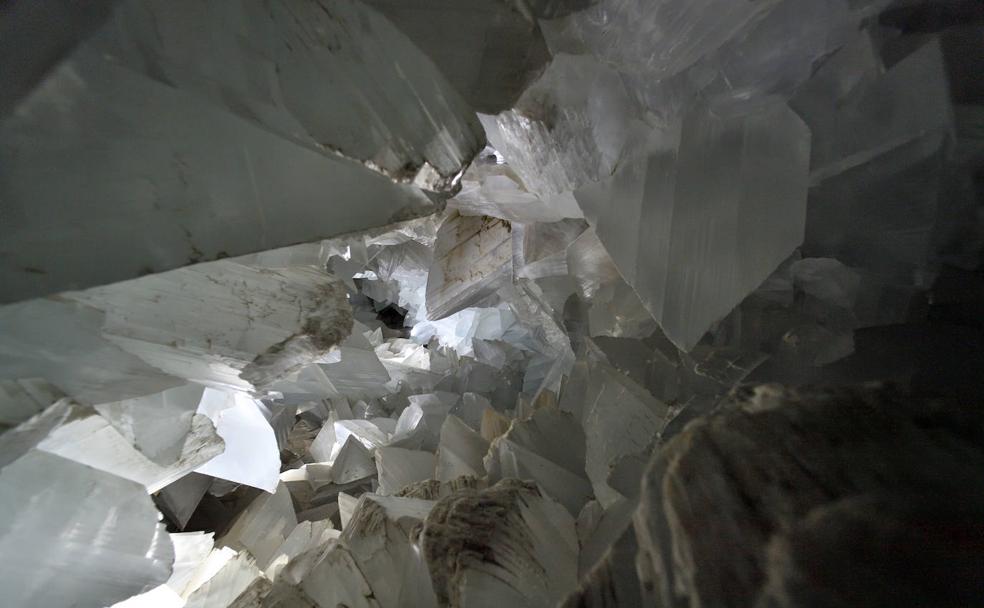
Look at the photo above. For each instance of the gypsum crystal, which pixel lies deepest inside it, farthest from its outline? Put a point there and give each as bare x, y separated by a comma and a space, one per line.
263, 526
687, 234
399, 468
571, 127
854, 448
251, 454
461, 450
472, 258
379, 538
80, 434
866, 171
72, 534
506, 544
498, 45
177, 167
428, 141
547, 448
228, 324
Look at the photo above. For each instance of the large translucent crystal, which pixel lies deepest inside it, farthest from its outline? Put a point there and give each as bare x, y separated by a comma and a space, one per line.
704, 218
299, 75
879, 162
74, 535
657, 38
88, 367
168, 120
568, 129
225, 323
497, 45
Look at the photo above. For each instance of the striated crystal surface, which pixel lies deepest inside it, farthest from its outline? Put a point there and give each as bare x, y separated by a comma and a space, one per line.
498, 47
72, 534
707, 216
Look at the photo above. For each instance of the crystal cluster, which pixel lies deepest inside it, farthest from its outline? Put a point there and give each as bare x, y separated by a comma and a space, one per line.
501, 274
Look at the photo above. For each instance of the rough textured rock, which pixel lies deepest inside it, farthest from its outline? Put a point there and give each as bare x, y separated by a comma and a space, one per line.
508, 545
776, 498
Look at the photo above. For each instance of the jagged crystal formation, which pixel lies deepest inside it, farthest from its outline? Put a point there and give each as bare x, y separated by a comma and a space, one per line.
207, 126
536, 366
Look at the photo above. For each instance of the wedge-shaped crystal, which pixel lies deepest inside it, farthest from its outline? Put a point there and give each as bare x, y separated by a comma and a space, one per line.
199, 182
353, 370
547, 448
89, 367
460, 452
251, 455
179, 500
399, 468
225, 323
157, 424
498, 47
707, 216
354, 462
72, 534
378, 536
508, 545
80, 434
472, 258
263, 527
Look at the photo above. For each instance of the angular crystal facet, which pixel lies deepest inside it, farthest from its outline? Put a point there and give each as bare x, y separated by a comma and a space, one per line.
707, 215
72, 534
